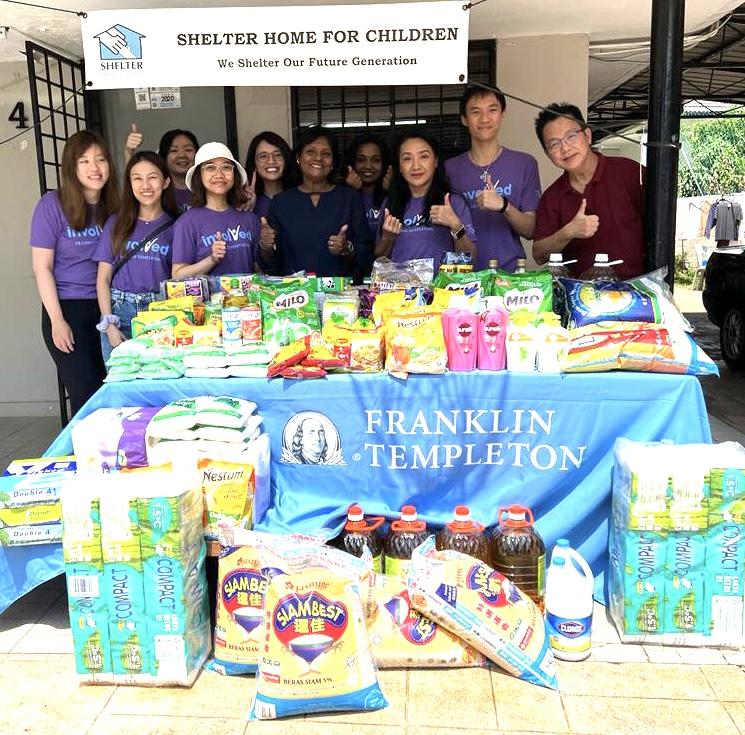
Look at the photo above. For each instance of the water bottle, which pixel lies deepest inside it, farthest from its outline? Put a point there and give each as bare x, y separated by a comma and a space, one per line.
569, 603
359, 532
406, 534
601, 269
518, 551
464, 534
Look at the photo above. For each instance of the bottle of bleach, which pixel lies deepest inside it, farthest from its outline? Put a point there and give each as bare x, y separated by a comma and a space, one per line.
569, 586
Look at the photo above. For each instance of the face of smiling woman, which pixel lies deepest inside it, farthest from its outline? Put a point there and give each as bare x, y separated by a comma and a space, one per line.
417, 162
316, 161
270, 162
92, 170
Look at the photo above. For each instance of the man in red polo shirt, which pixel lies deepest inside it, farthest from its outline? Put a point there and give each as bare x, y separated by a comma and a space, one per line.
595, 206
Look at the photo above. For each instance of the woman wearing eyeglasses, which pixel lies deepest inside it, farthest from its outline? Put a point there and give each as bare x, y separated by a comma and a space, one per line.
214, 236
270, 170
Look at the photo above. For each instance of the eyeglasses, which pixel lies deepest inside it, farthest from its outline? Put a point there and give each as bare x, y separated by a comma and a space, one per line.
266, 157
213, 168
570, 138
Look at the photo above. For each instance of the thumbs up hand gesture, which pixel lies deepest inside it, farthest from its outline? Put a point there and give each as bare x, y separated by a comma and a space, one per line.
583, 225
488, 198
338, 244
268, 236
443, 214
134, 139
219, 248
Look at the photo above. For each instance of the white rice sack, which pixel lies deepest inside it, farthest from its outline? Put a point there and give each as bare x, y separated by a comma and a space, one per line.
257, 354
172, 420
205, 357
228, 434
226, 411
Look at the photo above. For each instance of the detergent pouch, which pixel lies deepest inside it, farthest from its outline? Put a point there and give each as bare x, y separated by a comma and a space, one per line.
402, 637
316, 655
288, 311
484, 608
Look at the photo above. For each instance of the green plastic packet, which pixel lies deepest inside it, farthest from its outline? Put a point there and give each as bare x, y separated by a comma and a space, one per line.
288, 311
532, 291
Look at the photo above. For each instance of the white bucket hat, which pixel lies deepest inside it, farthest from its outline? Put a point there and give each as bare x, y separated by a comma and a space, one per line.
214, 150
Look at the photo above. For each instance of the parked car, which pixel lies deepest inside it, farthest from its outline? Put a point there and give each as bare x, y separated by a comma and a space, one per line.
724, 301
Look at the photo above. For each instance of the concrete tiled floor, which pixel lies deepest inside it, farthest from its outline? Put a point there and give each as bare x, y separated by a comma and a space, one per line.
628, 689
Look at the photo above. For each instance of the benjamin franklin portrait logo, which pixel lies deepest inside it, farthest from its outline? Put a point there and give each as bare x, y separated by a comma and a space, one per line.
310, 437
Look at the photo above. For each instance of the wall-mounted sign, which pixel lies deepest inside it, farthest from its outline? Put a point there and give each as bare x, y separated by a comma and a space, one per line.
400, 43
157, 98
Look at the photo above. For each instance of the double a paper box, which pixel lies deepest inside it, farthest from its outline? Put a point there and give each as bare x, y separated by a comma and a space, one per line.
685, 584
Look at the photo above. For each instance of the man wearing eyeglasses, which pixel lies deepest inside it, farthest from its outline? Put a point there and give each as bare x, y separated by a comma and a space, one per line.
596, 206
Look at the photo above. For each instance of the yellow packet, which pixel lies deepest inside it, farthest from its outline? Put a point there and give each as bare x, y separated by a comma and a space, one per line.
182, 303
208, 335
228, 489
157, 325
29, 515
392, 302
415, 343
402, 637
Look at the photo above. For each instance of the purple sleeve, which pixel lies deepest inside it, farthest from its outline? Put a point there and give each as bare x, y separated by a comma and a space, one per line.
531, 193
464, 214
184, 240
47, 222
104, 250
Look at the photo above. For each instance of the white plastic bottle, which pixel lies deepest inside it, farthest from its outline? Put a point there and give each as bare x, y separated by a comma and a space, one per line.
552, 343
569, 603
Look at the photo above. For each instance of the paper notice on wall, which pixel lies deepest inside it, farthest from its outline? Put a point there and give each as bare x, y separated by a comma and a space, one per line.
142, 98
165, 98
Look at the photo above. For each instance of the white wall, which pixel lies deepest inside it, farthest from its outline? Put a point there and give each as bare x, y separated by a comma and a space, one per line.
29, 384
261, 108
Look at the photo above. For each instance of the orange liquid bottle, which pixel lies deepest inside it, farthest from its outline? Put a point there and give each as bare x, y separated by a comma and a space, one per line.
465, 535
360, 532
406, 534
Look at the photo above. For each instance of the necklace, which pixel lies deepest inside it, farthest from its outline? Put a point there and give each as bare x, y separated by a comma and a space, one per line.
484, 175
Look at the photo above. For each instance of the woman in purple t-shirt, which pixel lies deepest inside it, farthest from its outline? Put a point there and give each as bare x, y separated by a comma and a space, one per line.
65, 230
214, 236
369, 171
134, 253
420, 219
270, 168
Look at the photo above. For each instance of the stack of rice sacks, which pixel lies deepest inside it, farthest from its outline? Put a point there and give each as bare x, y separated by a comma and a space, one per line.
137, 593
223, 435
142, 358
677, 543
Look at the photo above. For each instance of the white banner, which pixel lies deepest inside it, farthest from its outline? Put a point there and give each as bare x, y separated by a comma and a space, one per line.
320, 45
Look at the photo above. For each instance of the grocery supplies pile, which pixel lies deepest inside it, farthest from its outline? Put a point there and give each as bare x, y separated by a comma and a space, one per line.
677, 543
410, 319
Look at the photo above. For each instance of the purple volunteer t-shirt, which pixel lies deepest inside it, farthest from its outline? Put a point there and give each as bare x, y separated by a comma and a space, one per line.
196, 230
183, 200
263, 202
371, 211
144, 271
514, 174
420, 239
74, 270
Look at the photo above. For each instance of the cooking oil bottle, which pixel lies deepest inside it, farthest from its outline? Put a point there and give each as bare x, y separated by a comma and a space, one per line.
518, 551
406, 534
465, 535
360, 532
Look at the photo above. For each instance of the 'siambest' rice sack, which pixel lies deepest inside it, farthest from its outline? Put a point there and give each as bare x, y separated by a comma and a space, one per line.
316, 655
401, 636
482, 607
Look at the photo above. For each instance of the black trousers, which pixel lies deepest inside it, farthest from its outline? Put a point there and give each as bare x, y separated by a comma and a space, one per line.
82, 370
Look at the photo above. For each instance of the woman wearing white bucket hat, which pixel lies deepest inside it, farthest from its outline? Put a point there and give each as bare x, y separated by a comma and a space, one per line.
214, 236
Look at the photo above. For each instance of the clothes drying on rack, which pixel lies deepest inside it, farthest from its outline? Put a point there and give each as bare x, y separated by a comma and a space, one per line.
725, 218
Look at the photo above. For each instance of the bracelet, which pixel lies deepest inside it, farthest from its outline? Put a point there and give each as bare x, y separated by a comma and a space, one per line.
106, 320
459, 232
505, 204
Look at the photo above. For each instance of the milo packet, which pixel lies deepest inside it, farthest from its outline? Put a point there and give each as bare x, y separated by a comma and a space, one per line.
288, 311
532, 292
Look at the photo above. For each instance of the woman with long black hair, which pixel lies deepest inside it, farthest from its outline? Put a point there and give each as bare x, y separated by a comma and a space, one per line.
134, 254
65, 232
369, 171
270, 168
421, 218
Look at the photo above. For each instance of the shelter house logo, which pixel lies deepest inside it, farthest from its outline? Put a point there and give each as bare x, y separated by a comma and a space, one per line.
119, 43
310, 437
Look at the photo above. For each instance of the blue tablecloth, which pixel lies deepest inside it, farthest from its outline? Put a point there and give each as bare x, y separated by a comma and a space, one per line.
483, 439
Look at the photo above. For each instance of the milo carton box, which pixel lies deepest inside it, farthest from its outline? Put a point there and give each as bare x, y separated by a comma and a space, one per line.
644, 554
685, 583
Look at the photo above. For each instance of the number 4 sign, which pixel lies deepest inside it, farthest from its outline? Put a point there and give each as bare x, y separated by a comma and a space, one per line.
18, 115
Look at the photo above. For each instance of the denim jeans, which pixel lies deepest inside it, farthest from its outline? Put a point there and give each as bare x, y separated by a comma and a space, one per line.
125, 306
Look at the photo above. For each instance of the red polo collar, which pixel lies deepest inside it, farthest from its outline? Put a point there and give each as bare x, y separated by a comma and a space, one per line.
596, 177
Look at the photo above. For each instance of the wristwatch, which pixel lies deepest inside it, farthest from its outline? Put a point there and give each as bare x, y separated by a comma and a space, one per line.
350, 248
459, 232
505, 204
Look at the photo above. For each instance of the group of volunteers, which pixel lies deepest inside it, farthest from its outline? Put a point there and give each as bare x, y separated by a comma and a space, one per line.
99, 253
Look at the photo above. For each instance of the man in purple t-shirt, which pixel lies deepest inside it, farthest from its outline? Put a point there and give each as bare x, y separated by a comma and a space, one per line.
501, 186
596, 206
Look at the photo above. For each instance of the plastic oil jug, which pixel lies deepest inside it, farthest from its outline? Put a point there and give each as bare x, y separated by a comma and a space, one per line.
406, 534
569, 587
518, 551
557, 267
464, 534
601, 269
360, 531
552, 344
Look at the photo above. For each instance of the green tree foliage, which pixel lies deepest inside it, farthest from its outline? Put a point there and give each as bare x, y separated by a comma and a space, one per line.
716, 150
